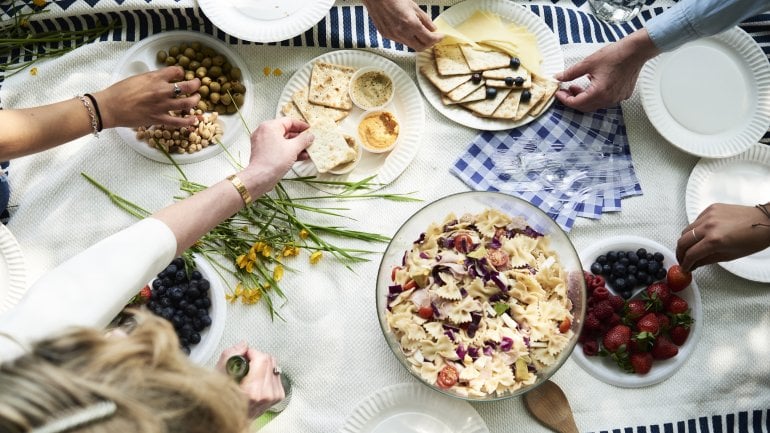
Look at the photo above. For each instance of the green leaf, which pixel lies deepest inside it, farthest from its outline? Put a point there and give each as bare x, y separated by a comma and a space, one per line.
500, 308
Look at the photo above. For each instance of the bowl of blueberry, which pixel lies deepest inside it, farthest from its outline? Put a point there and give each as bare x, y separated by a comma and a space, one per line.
191, 297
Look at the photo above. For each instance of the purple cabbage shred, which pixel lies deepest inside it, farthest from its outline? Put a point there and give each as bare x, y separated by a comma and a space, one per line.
506, 344
460, 351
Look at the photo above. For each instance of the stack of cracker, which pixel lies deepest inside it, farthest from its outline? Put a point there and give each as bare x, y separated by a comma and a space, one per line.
323, 104
489, 83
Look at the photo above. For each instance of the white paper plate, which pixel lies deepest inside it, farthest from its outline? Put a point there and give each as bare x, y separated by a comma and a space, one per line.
13, 271
406, 105
547, 42
413, 408
743, 179
265, 20
604, 368
141, 58
210, 337
710, 97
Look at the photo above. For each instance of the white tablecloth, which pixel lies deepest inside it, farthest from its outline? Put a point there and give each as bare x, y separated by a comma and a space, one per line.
330, 343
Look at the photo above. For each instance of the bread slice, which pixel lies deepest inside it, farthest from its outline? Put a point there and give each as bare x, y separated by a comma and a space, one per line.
450, 60
329, 84
486, 107
313, 113
329, 149
480, 60
443, 83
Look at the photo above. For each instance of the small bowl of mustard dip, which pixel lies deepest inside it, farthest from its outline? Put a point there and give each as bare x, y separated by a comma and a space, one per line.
371, 88
378, 131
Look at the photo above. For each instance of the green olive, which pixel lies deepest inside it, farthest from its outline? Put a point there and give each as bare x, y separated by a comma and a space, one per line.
237, 87
214, 97
235, 74
226, 67
161, 56
215, 86
194, 64
197, 46
206, 62
170, 61
199, 56
226, 87
184, 61
208, 51
232, 108
201, 105
215, 71
222, 79
221, 109
189, 75
173, 51
206, 81
226, 99
238, 99
218, 60
183, 46
203, 91
189, 52
200, 72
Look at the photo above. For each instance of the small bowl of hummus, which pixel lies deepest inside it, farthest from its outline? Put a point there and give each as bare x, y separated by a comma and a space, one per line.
378, 131
371, 88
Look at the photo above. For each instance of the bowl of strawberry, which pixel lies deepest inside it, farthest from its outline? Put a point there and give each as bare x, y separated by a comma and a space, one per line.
639, 333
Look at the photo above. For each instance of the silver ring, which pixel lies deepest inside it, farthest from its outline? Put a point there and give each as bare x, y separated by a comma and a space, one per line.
177, 90
694, 236
277, 370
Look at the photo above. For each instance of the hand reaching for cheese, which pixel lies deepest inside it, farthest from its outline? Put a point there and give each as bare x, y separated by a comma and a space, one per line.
612, 71
403, 21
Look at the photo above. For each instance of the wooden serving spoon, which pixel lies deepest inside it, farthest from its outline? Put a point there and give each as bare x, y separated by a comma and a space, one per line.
548, 404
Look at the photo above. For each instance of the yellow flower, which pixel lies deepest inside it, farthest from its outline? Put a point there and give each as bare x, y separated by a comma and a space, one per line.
315, 257
33, 71
246, 261
39, 3
290, 251
251, 296
303, 234
278, 273
266, 251
237, 293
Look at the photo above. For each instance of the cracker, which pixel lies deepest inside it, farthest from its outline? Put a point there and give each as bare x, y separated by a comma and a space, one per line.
509, 106
290, 110
450, 60
476, 95
329, 149
443, 83
329, 84
502, 73
502, 84
524, 107
550, 87
313, 113
486, 107
480, 60
464, 90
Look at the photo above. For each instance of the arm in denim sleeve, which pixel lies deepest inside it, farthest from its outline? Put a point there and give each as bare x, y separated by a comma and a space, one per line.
692, 19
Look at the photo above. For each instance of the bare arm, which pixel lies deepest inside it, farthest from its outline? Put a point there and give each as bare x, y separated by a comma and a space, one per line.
141, 100
403, 21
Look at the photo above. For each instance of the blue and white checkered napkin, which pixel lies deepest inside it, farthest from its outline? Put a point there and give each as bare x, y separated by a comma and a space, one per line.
567, 163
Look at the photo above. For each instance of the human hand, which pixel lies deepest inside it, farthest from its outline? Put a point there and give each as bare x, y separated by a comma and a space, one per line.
403, 21
261, 385
146, 99
612, 72
722, 232
275, 145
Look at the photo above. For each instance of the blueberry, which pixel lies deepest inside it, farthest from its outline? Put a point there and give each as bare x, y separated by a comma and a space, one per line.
649, 279
177, 321
202, 312
620, 284
619, 269
196, 275
186, 331
205, 303
184, 342
183, 304
515, 63
625, 294
624, 261
631, 269
191, 311
621, 255
526, 95
641, 252
632, 257
650, 257
171, 269
167, 313
612, 256
606, 269
658, 257
661, 274
176, 293
197, 324
596, 268
642, 265
476, 78
631, 282
165, 302
178, 262
509, 81
491, 92
193, 293
653, 267
206, 321
180, 276
641, 277
156, 283
199, 302
519, 81
195, 338
167, 281
601, 259
203, 284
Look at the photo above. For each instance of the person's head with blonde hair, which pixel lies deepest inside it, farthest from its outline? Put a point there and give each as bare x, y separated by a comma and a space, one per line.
154, 387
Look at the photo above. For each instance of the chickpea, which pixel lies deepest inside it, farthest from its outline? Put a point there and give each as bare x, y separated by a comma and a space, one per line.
226, 87
221, 109
238, 87
199, 56
203, 91
183, 46
232, 108
227, 67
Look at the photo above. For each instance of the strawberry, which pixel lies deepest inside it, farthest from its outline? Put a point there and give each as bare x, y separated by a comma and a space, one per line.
142, 297
635, 309
615, 319
677, 305
663, 322
677, 278
648, 323
641, 362
664, 348
636, 346
657, 295
617, 338
617, 303
679, 334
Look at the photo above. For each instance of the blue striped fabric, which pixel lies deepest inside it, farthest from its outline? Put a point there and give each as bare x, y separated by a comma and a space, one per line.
757, 421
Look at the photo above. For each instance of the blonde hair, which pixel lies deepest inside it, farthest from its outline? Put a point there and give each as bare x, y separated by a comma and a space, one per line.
153, 385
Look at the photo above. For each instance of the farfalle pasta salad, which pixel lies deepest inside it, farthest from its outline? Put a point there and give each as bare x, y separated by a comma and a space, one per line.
480, 304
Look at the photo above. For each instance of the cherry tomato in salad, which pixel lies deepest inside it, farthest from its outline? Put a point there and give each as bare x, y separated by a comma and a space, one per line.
498, 258
565, 325
463, 242
447, 377
393, 273
425, 312
411, 284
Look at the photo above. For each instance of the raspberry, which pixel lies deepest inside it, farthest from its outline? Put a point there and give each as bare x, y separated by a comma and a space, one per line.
601, 293
617, 303
591, 348
598, 281
592, 323
603, 310
614, 319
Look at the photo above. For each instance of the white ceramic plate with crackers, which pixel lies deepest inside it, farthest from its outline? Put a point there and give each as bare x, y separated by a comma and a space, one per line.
510, 13
710, 97
406, 106
742, 179
141, 57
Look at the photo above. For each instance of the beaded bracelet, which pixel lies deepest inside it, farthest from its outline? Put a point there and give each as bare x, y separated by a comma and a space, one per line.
96, 109
238, 184
94, 122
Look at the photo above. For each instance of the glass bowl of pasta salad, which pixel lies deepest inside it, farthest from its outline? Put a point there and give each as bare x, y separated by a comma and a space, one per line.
481, 296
